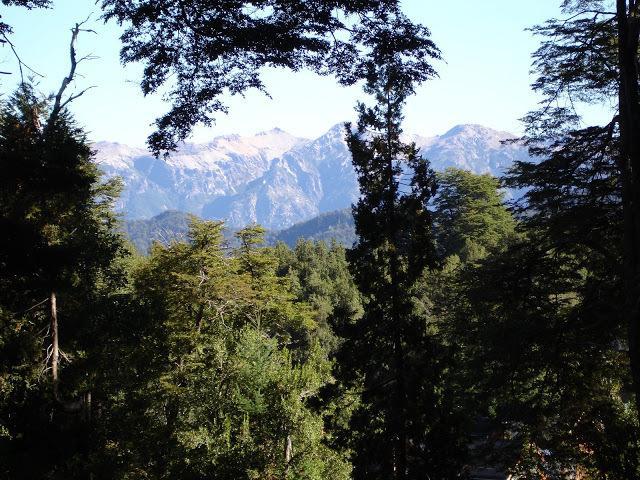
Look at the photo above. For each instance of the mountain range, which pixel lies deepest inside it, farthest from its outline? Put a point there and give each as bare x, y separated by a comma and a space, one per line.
274, 178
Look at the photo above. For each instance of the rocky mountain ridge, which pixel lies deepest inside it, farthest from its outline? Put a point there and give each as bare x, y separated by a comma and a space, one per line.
274, 178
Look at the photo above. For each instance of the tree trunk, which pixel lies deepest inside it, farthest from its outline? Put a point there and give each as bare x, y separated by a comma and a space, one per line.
288, 453
399, 408
629, 122
74, 406
55, 350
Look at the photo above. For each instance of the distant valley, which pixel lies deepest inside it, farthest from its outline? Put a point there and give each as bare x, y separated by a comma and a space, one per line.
274, 178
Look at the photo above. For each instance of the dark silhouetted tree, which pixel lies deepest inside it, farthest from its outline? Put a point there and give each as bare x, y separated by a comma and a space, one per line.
400, 429
204, 49
592, 56
57, 255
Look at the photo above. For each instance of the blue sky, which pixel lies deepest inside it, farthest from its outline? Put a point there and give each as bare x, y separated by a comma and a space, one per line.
484, 77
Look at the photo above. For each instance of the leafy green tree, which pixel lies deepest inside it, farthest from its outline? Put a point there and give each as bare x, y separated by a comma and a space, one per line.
469, 214
209, 48
321, 277
563, 295
222, 388
541, 323
470, 223
540, 331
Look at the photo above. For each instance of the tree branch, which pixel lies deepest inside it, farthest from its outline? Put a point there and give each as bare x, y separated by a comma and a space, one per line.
20, 62
59, 104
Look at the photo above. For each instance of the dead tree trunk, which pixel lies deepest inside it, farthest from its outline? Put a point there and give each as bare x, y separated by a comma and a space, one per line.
74, 406
288, 453
55, 349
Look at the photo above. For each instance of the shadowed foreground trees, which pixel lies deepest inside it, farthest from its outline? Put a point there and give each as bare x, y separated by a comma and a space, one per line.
57, 252
592, 56
205, 361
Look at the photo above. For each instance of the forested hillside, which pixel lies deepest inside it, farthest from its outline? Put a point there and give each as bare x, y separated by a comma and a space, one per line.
173, 226
164, 228
434, 330
332, 226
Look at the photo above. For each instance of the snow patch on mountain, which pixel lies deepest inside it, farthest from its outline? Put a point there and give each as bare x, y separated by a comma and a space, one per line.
275, 178
472, 147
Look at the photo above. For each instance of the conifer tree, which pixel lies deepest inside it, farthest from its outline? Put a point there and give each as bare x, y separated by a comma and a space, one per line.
592, 56
396, 427
58, 252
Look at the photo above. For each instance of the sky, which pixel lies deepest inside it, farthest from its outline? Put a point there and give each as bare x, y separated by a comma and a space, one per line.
484, 77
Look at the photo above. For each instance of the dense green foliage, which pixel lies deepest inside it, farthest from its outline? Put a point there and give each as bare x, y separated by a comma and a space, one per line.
565, 294
224, 381
194, 361
455, 334
470, 216
592, 56
320, 274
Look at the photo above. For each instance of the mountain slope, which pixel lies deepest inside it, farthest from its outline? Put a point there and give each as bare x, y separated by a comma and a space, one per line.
310, 179
193, 175
472, 147
172, 226
274, 178
164, 228
330, 226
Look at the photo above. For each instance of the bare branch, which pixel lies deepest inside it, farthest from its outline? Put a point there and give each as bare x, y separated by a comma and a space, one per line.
20, 62
65, 356
32, 307
73, 97
59, 104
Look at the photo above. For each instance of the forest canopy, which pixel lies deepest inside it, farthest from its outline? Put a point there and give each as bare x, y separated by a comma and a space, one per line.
460, 335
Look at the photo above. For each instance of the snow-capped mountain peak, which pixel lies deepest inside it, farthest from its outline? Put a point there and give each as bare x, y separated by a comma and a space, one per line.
275, 178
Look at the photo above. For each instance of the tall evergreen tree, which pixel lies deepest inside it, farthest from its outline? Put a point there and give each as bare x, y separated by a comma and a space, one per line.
593, 56
58, 255
398, 427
